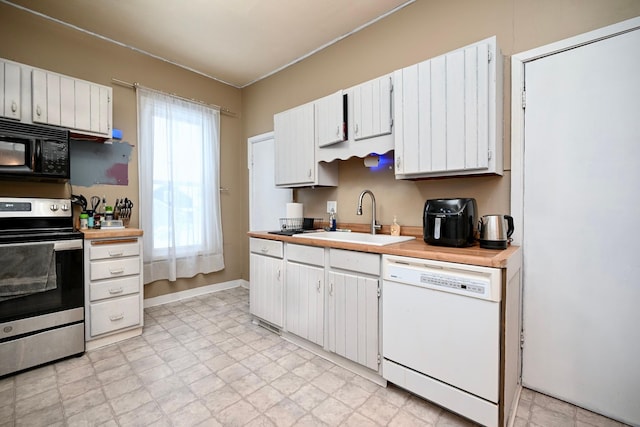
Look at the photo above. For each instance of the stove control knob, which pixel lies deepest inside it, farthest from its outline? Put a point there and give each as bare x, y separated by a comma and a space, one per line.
65, 207
53, 207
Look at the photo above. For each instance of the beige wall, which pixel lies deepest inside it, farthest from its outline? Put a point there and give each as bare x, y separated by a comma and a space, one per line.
40, 43
420, 31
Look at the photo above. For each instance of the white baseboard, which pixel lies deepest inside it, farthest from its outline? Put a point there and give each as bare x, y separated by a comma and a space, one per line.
202, 290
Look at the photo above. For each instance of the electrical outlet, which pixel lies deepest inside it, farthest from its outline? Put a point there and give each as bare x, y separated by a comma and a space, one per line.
332, 205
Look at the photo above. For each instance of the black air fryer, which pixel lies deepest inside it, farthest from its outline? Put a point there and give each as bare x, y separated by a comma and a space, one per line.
450, 222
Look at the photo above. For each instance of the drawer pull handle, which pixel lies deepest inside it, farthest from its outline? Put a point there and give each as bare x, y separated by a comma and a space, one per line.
116, 317
118, 271
318, 286
331, 288
264, 250
116, 253
114, 291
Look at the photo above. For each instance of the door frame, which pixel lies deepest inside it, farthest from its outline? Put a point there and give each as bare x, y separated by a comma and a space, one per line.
518, 62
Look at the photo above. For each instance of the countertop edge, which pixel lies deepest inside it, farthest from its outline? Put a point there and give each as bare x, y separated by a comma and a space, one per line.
110, 234
417, 248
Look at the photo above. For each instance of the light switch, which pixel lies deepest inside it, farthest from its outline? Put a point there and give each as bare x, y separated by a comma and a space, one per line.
332, 204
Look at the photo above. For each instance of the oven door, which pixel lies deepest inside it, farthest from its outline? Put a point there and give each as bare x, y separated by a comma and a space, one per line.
25, 291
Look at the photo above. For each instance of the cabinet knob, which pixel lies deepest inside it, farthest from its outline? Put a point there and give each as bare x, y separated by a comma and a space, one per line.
331, 288
318, 286
398, 163
14, 107
309, 173
278, 274
38, 111
356, 128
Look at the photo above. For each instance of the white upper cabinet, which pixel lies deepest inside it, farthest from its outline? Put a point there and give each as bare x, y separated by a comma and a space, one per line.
294, 144
330, 122
372, 108
448, 114
369, 121
295, 147
10, 78
71, 103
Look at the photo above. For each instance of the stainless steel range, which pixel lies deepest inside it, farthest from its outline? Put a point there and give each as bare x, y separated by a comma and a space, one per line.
41, 283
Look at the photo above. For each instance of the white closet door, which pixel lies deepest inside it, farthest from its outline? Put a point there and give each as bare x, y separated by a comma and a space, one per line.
267, 204
581, 226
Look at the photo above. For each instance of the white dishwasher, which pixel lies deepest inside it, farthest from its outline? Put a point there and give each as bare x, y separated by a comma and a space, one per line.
441, 333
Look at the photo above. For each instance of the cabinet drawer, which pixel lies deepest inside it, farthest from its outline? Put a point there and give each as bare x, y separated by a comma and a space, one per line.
305, 254
114, 288
114, 268
266, 247
115, 314
355, 261
105, 249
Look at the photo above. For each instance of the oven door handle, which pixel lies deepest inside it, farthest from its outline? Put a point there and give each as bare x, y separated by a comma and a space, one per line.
67, 245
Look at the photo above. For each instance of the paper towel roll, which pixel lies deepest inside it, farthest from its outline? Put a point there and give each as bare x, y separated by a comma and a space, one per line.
294, 210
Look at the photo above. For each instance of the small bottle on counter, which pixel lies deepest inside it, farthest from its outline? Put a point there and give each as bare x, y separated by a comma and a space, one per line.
332, 220
84, 221
90, 222
395, 227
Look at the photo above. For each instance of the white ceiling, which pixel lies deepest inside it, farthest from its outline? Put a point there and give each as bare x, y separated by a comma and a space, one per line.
237, 42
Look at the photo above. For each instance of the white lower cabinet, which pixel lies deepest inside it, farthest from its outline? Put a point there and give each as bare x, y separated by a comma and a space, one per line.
353, 306
328, 297
353, 318
113, 290
304, 290
267, 279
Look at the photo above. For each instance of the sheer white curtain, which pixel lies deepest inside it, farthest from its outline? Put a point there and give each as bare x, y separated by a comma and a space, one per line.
179, 169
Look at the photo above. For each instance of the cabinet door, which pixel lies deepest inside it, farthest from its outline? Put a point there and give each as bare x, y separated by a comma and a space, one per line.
305, 302
10, 95
330, 123
460, 83
101, 109
39, 96
372, 108
45, 92
265, 295
82, 105
67, 102
295, 146
442, 114
353, 318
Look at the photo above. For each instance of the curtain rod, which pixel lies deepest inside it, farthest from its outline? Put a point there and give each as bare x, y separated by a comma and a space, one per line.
134, 85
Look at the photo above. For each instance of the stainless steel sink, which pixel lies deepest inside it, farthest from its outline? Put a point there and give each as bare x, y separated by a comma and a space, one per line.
351, 237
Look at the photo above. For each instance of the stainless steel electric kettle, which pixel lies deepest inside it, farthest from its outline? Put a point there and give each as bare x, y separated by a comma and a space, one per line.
495, 231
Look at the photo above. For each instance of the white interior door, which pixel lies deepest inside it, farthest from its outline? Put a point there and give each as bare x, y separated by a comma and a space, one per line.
267, 204
581, 216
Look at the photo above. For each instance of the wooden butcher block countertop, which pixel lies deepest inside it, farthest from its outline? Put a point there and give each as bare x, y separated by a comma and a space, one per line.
111, 234
416, 248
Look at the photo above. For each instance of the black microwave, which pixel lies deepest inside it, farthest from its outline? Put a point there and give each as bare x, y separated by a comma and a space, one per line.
32, 151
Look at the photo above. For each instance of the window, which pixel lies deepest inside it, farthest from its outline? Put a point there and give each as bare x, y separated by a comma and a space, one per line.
179, 160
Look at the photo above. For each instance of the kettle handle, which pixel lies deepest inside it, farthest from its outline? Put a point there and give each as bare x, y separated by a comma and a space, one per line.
509, 219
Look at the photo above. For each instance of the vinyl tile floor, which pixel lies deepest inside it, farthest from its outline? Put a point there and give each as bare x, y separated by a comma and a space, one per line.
201, 362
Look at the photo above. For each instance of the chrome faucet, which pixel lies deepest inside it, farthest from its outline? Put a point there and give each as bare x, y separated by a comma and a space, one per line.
374, 224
